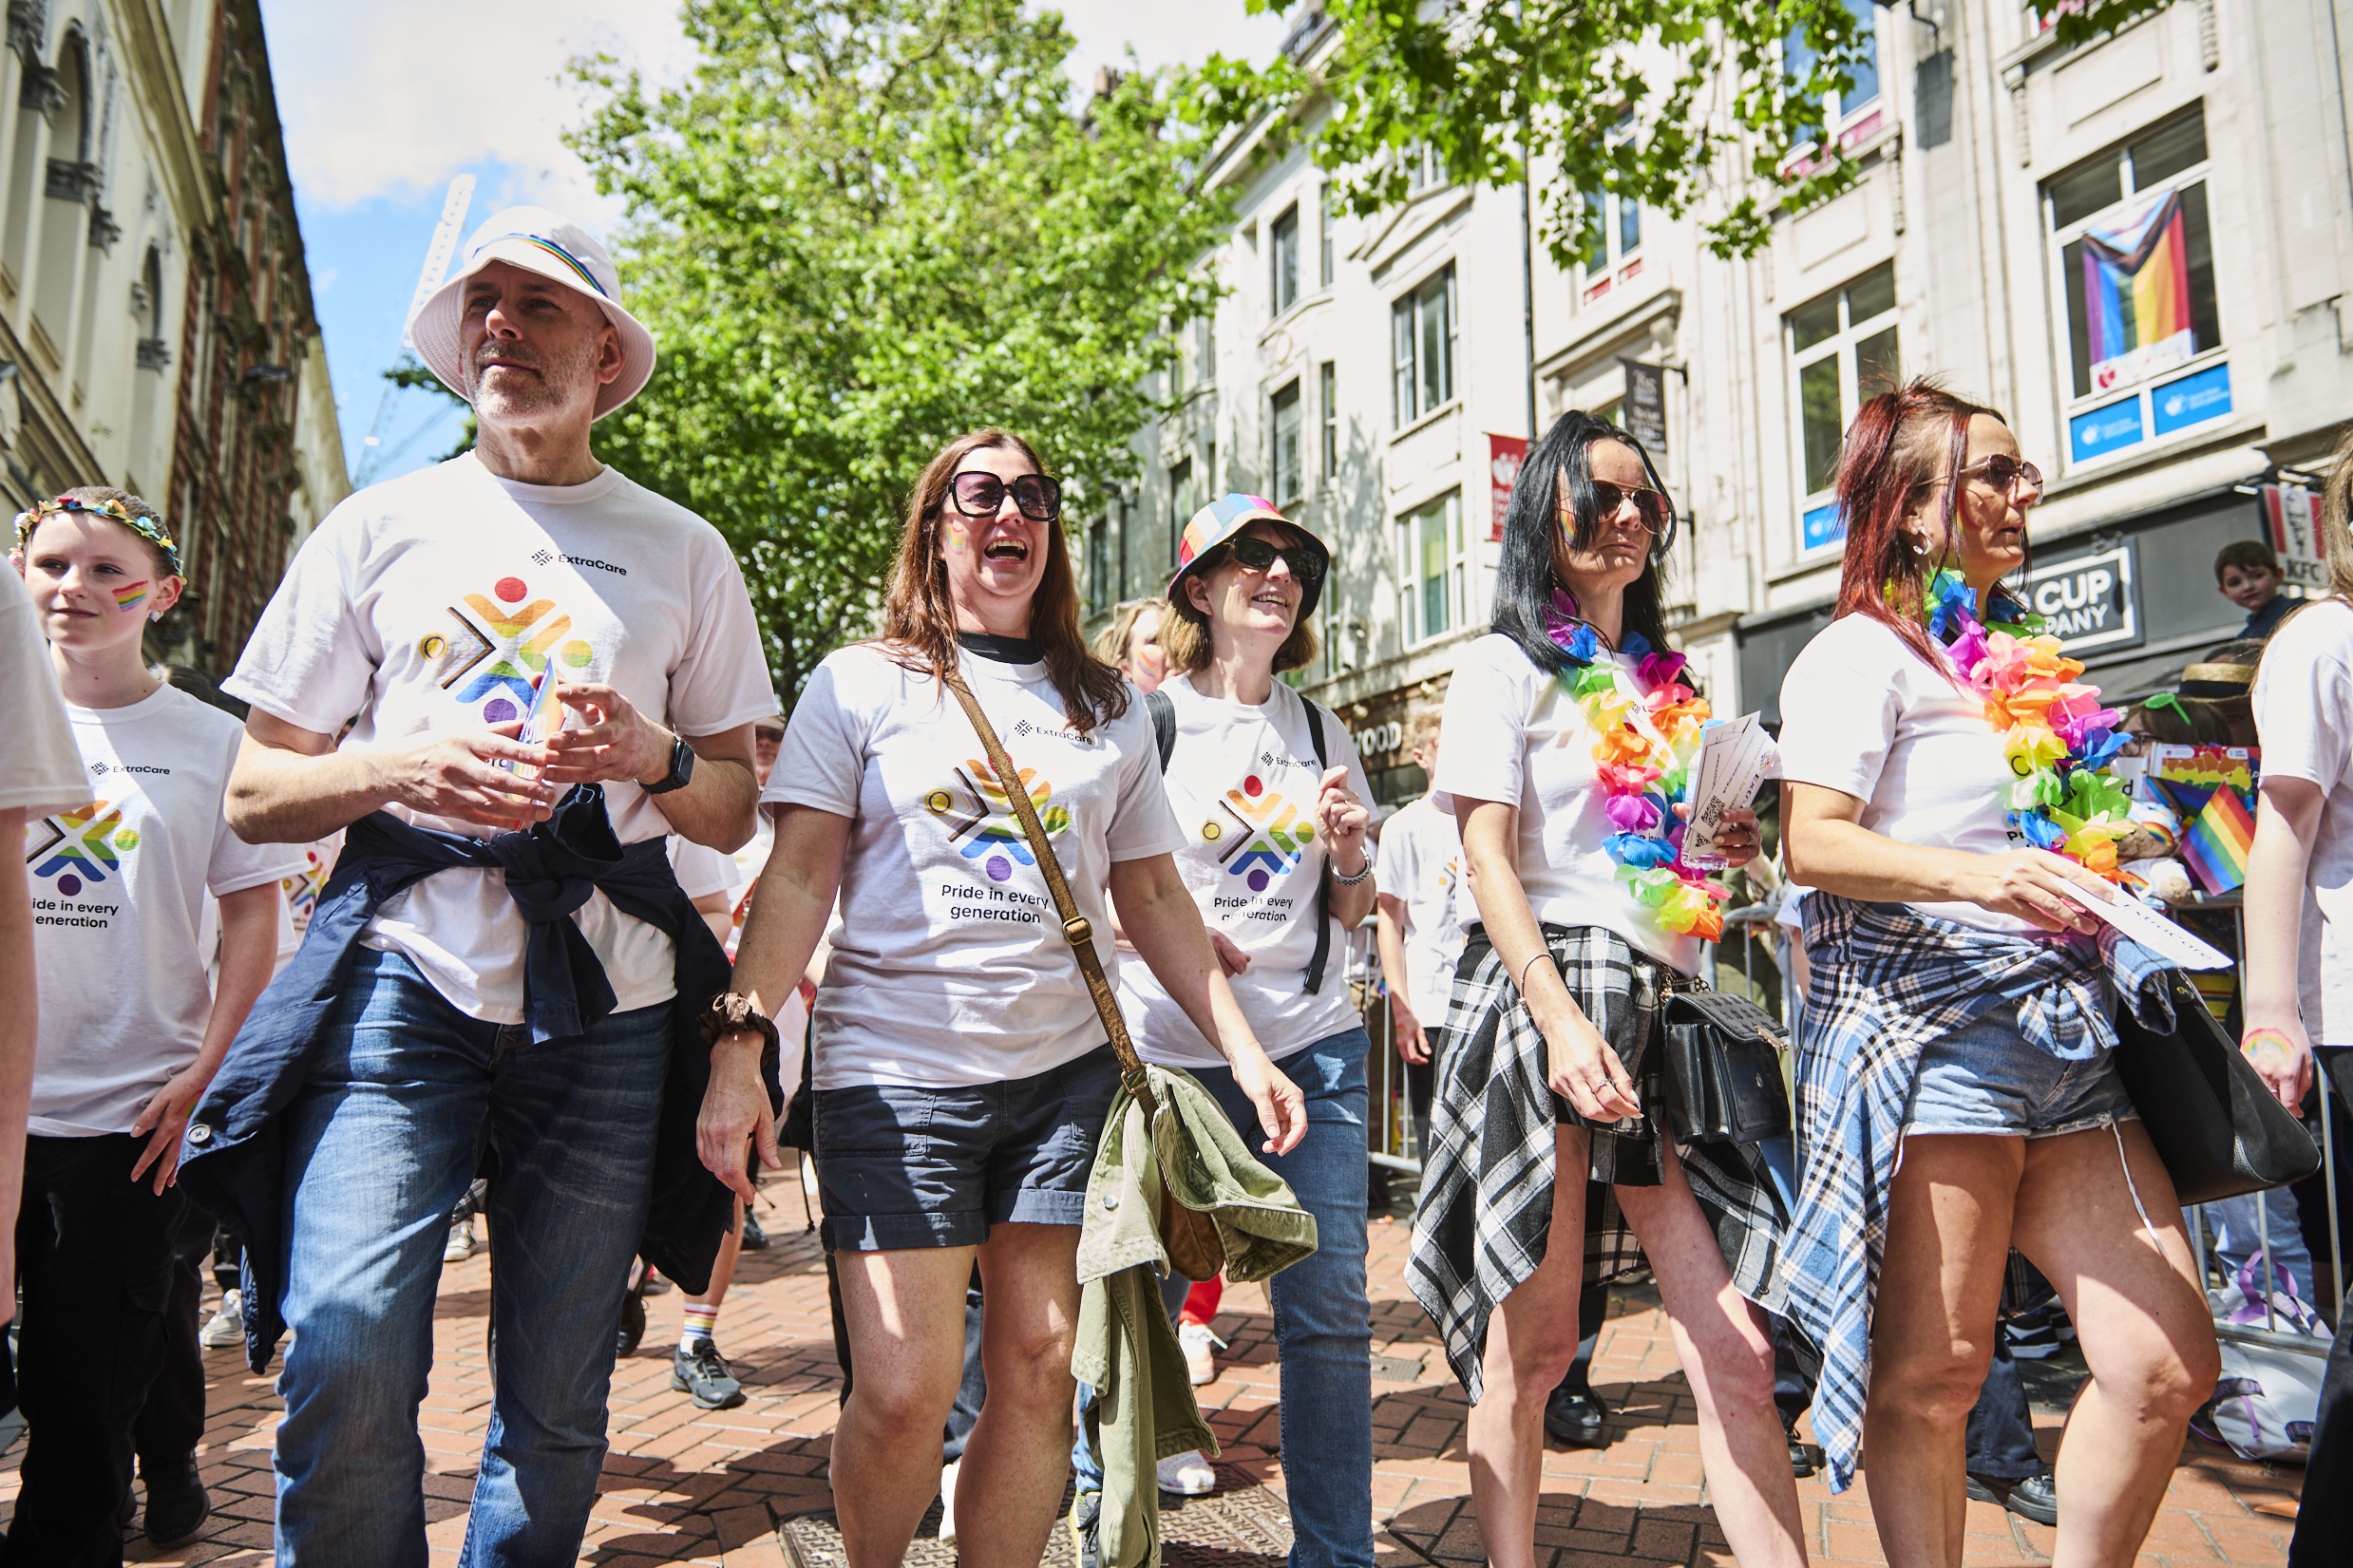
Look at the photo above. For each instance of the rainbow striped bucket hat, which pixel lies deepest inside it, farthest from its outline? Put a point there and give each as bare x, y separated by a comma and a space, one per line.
1229, 515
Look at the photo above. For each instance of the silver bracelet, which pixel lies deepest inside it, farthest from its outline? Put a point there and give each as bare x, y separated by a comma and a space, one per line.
1339, 881
1541, 953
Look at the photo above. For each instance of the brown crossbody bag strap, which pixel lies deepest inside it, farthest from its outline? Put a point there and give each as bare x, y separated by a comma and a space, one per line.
1195, 1248
1076, 928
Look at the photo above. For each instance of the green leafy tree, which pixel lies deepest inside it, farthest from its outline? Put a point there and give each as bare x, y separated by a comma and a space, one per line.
1685, 105
860, 228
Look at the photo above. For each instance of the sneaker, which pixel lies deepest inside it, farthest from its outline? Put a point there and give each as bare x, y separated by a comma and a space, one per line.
755, 1239
177, 1503
1199, 1344
1577, 1417
1186, 1475
1086, 1515
2039, 1333
700, 1371
461, 1244
1805, 1458
227, 1326
2035, 1498
947, 1499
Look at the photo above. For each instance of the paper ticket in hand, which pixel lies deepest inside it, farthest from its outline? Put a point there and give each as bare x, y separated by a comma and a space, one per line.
2155, 932
1734, 757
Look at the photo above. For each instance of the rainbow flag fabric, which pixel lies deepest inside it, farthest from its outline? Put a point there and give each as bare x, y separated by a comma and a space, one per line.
2137, 293
2216, 843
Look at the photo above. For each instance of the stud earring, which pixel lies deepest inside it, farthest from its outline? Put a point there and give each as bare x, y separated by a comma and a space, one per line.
154, 614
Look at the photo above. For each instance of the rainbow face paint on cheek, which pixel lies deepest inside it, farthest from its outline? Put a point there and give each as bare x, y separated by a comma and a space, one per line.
959, 542
131, 596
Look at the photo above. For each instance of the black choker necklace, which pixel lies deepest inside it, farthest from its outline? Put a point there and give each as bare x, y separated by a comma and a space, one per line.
988, 644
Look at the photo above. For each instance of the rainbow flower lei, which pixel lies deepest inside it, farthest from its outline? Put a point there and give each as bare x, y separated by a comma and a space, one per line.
2056, 735
1647, 724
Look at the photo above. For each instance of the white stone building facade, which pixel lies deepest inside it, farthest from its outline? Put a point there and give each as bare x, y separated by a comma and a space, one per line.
1356, 370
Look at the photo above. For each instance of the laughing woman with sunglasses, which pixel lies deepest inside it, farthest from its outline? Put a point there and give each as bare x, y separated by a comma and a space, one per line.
1565, 731
961, 1073
1269, 797
1946, 789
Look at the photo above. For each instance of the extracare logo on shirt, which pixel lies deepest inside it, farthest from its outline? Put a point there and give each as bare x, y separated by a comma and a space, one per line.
976, 811
79, 849
1270, 835
502, 642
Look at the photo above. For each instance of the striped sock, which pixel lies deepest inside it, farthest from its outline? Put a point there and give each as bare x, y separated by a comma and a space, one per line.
700, 1321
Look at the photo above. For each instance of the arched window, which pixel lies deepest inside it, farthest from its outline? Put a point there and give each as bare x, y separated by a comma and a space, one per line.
80, 119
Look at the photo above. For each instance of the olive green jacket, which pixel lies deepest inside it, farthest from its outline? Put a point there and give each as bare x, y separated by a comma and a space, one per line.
1144, 1409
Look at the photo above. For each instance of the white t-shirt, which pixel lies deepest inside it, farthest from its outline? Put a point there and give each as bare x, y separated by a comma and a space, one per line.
1242, 781
949, 966
41, 769
118, 895
1862, 713
429, 604
1516, 734
1422, 866
700, 869
2304, 710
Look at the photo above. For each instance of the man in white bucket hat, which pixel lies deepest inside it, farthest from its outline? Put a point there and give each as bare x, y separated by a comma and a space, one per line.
552, 670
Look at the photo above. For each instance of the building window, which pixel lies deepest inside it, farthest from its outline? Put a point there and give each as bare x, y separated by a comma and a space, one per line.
1183, 500
1330, 216
1841, 352
1437, 568
1290, 477
1283, 256
1838, 107
1099, 564
1328, 401
1205, 350
1424, 338
1620, 234
2135, 258
1176, 371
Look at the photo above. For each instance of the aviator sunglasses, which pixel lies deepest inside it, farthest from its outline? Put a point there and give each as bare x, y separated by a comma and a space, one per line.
979, 495
1256, 554
2003, 473
1651, 507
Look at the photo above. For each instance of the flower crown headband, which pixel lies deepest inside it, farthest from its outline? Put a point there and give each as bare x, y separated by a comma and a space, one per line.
150, 529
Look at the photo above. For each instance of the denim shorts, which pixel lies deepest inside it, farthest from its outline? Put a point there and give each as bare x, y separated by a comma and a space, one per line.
1987, 1078
898, 1168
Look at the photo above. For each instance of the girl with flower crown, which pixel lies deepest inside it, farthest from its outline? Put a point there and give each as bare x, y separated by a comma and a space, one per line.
1570, 732
1947, 795
130, 1031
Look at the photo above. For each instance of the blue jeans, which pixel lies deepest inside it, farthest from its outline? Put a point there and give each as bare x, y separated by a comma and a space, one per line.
403, 1099
1324, 1339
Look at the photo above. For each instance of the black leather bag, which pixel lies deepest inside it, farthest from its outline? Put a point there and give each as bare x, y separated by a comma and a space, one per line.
2216, 1124
1724, 1066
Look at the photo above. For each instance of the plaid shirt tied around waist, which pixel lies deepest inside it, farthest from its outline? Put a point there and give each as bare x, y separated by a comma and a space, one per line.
1886, 981
1486, 1212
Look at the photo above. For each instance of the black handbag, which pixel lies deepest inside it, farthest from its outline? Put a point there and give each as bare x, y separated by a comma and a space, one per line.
1724, 1065
2216, 1123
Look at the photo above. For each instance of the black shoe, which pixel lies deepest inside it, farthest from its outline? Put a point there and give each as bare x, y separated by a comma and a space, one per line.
755, 1239
176, 1504
632, 1324
1578, 1418
2035, 1498
1805, 1458
1086, 1512
700, 1371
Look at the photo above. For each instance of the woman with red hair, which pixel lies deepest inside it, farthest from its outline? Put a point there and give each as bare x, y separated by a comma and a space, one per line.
1946, 794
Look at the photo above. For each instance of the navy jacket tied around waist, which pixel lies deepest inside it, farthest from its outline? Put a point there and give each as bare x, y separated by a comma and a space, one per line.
234, 1158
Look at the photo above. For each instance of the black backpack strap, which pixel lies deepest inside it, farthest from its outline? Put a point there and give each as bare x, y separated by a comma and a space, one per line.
1164, 724
1323, 885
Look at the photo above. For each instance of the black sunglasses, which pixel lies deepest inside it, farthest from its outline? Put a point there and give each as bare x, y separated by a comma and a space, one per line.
2003, 473
979, 495
1651, 506
1256, 554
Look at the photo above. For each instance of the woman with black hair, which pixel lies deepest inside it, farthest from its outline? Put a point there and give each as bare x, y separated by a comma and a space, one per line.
1568, 733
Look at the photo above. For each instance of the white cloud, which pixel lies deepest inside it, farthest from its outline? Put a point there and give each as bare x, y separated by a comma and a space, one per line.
392, 100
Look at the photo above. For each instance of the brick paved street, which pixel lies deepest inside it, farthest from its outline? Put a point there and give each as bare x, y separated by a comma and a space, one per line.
684, 1485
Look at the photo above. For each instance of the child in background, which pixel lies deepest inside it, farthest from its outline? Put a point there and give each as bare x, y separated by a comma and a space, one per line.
130, 1032
2248, 574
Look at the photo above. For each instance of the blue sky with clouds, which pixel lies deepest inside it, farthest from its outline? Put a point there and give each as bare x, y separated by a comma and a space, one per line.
383, 104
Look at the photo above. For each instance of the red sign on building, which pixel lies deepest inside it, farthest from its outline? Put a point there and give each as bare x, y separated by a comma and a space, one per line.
1504, 455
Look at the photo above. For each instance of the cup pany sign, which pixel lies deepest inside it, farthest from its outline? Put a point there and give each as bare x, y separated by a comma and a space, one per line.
2088, 602
1504, 455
